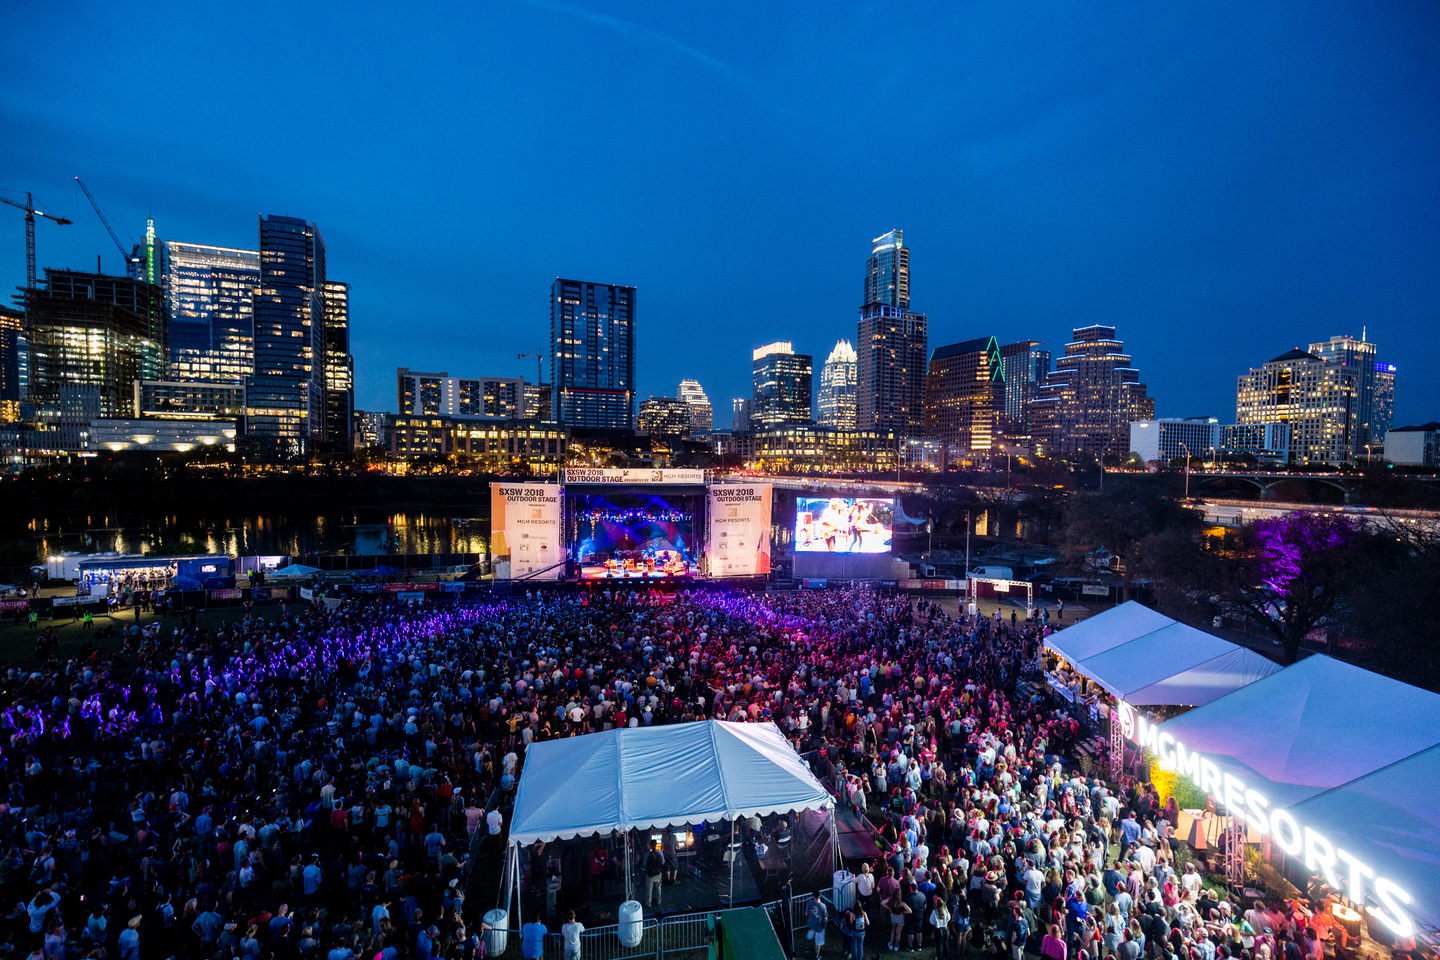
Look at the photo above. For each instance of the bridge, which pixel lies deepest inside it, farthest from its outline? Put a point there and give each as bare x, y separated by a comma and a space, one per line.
1266, 482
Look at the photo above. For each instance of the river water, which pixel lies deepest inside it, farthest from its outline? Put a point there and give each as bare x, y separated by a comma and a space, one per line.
359, 531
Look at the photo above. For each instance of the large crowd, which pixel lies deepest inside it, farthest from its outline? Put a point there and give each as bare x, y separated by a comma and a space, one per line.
331, 785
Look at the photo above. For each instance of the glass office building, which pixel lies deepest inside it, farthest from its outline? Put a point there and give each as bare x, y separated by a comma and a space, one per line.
285, 394
891, 344
592, 354
1087, 403
781, 386
339, 366
965, 395
211, 292
836, 398
1026, 366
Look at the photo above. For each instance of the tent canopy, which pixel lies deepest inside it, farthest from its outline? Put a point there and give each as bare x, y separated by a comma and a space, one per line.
644, 777
295, 570
1315, 725
382, 570
1148, 659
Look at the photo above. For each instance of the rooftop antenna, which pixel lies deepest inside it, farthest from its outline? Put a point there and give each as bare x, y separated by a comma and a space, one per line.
1363, 329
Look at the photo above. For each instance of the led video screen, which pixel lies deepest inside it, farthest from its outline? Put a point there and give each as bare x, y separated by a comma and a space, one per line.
843, 524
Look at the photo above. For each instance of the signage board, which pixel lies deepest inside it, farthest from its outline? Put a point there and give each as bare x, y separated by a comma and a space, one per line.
637, 475
525, 526
739, 529
225, 594
1094, 590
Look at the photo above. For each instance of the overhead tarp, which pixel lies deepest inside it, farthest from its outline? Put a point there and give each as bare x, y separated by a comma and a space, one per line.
1315, 725
1099, 633
646, 777
1147, 659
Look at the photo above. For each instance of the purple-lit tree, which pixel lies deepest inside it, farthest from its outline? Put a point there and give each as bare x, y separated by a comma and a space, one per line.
1290, 574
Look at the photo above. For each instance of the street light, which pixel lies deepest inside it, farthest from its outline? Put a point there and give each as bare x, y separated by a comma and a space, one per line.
1187, 468
1367, 454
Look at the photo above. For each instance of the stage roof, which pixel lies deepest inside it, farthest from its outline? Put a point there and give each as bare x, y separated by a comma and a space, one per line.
644, 777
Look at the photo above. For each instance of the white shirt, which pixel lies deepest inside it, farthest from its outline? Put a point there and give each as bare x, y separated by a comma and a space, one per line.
493, 820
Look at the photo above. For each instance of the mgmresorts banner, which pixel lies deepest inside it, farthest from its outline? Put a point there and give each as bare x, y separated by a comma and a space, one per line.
525, 525
739, 530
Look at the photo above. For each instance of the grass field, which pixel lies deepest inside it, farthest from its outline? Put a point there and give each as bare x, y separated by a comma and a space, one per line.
17, 644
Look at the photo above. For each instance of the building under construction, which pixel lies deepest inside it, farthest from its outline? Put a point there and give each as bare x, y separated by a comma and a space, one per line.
95, 332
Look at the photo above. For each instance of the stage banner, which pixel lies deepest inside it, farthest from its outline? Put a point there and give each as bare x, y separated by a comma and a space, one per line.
739, 530
525, 526
637, 475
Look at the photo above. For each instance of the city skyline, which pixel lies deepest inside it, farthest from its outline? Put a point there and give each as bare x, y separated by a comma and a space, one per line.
1123, 182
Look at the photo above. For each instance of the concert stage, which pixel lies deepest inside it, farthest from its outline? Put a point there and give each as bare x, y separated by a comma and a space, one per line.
635, 535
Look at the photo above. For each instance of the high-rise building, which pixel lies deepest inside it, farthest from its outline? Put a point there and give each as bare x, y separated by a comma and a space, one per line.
740, 414
12, 323
1415, 446
781, 386
965, 395
1089, 400
211, 293
891, 344
485, 398
285, 395
539, 402
1026, 367
1335, 397
1207, 439
94, 331
339, 367
836, 398
664, 417
592, 354
702, 414
887, 272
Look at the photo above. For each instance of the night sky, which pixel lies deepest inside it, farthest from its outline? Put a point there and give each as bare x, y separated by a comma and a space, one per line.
1221, 181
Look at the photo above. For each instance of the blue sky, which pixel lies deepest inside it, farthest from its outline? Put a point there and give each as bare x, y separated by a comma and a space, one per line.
1221, 181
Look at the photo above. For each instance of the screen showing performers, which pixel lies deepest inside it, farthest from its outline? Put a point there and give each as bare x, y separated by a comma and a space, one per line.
843, 524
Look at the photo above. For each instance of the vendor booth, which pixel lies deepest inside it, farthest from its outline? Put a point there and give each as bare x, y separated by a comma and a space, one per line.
1335, 768
730, 808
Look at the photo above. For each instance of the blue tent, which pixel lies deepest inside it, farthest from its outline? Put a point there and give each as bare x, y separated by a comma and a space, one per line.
382, 571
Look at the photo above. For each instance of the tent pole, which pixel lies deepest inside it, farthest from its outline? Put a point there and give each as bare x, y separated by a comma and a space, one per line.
519, 898
506, 875
731, 851
627, 865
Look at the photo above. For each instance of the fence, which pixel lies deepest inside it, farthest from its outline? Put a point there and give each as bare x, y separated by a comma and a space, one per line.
679, 934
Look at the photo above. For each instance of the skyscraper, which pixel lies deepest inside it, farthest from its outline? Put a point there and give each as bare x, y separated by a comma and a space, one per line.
211, 293
592, 354
1335, 397
1026, 367
890, 345
702, 414
1089, 400
12, 323
781, 386
339, 366
965, 395
664, 417
740, 414
285, 395
836, 399
887, 272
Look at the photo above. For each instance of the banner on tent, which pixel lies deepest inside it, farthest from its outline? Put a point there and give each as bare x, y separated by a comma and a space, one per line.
525, 526
739, 534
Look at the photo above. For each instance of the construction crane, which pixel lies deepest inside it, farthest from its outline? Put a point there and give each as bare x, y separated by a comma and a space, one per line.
539, 358
30, 214
132, 263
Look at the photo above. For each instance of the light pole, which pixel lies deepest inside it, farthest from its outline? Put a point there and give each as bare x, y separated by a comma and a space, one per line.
967, 555
1367, 455
1187, 468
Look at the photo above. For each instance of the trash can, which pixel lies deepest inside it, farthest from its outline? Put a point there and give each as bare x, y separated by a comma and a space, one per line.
497, 936
631, 927
842, 893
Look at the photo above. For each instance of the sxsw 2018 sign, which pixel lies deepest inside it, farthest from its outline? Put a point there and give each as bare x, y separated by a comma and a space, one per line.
1302, 842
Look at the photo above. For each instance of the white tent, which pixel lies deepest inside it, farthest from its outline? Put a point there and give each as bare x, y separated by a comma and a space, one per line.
295, 570
1148, 659
1351, 752
646, 777
1317, 724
